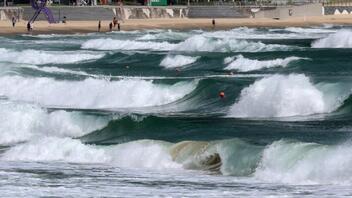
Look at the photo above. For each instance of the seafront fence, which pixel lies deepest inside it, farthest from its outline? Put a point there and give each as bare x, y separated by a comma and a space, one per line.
240, 3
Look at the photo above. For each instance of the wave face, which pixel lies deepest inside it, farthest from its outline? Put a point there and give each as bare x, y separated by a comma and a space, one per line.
340, 39
84, 94
171, 61
243, 64
281, 96
46, 57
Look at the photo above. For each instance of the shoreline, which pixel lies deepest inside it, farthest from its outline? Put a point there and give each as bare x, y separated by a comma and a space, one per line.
73, 27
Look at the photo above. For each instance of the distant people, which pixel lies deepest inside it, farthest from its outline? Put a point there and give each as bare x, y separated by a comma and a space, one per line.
99, 26
114, 21
213, 22
13, 21
64, 19
118, 26
110, 26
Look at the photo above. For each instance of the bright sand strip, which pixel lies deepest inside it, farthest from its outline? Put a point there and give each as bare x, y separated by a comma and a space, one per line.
40, 27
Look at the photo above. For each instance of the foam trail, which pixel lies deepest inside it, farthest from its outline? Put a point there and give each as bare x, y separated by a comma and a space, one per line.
244, 64
340, 39
281, 96
45, 57
93, 93
22, 122
171, 61
110, 44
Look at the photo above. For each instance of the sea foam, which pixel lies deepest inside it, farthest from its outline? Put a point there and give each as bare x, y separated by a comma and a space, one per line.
46, 57
340, 39
171, 61
243, 64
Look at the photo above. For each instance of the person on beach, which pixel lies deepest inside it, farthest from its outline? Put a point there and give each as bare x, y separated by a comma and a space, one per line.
99, 26
64, 20
118, 26
213, 22
13, 21
29, 28
115, 21
110, 26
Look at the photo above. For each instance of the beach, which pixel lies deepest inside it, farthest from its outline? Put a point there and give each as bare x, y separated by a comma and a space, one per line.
42, 27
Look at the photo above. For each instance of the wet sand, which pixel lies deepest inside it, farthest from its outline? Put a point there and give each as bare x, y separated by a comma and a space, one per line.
41, 27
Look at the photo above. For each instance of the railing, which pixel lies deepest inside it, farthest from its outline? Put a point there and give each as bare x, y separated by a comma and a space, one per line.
241, 3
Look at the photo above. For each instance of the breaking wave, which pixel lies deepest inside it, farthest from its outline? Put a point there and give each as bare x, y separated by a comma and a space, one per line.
39, 57
282, 161
283, 96
22, 122
243, 64
93, 93
171, 61
195, 43
340, 39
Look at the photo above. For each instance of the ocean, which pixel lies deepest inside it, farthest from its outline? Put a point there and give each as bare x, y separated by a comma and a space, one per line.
246, 112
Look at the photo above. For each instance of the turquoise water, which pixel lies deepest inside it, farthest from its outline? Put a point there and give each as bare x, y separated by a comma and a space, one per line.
138, 113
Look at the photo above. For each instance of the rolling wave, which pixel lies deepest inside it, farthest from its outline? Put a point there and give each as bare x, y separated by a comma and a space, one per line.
172, 61
197, 43
284, 96
340, 39
243, 64
39, 57
282, 161
23, 122
92, 93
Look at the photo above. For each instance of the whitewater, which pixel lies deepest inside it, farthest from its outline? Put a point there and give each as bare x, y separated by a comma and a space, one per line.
139, 113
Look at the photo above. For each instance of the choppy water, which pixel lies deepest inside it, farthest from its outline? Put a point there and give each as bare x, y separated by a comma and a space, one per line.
128, 114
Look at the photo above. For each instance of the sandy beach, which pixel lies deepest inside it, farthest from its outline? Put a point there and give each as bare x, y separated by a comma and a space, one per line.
40, 27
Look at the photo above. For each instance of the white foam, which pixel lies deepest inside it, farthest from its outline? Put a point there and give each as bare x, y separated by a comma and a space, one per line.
195, 43
137, 154
22, 122
280, 96
45, 57
93, 93
340, 39
171, 61
110, 44
244, 64
306, 163
310, 30
205, 44
165, 35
